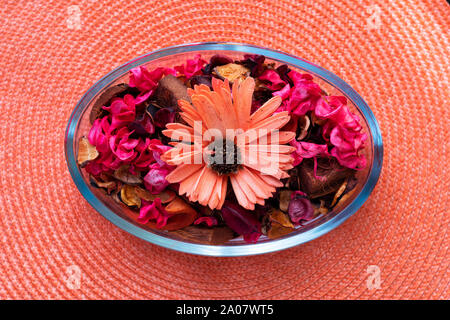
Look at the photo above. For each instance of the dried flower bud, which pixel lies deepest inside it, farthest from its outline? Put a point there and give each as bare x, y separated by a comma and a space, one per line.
300, 209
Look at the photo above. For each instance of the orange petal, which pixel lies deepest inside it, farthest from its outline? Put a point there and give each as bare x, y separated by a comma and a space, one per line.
246, 188
182, 172
260, 201
270, 180
189, 109
266, 110
223, 192
240, 195
272, 148
193, 194
267, 136
287, 166
186, 184
285, 137
204, 191
178, 135
185, 158
256, 185
267, 188
276, 121
265, 168
188, 118
208, 112
216, 192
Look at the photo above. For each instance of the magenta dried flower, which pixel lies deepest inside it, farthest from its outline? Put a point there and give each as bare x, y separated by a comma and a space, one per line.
241, 221
147, 81
164, 116
300, 208
209, 221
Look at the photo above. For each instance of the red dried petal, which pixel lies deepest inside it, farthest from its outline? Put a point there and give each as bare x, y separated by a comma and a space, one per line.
241, 221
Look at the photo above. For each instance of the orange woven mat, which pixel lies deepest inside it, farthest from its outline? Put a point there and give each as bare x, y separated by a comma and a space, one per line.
54, 245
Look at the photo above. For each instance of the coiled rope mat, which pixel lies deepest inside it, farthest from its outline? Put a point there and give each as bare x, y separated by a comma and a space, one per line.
394, 54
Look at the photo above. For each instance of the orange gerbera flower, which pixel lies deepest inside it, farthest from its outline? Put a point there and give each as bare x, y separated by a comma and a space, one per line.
253, 167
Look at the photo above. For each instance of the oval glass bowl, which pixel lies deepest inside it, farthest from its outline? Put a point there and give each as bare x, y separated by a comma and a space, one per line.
122, 217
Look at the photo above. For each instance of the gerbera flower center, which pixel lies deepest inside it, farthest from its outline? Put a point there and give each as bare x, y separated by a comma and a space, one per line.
225, 157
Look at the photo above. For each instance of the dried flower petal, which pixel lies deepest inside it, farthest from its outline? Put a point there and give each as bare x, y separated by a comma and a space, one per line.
153, 213
86, 152
147, 81
142, 125
155, 180
108, 185
123, 174
304, 124
129, 196
277, 230
284, 198
181, 214
200, 79
281, 218
97, 110
216, 236
171, 89
321, 209
123, 112
122, 145
164, 116
232, 72
191, 67
274, 80
308, 150
255, 63
241, 221
300, 209
209, 221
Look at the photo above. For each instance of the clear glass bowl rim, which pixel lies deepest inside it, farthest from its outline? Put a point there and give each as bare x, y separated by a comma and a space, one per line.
232, 250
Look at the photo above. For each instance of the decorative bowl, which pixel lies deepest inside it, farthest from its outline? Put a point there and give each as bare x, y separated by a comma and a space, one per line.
79, 126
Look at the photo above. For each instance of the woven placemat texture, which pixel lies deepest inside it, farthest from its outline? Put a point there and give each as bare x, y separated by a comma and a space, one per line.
395, 54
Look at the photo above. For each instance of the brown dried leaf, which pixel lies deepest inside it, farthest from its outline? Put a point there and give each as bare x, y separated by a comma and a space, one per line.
116, 198
217, 235
86, 152
280, 218
109, 185
232, 72
165, 196
285, 198
277, 230
339, 192
123, 174
346, 194
171, 89
321, 209
129, 196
